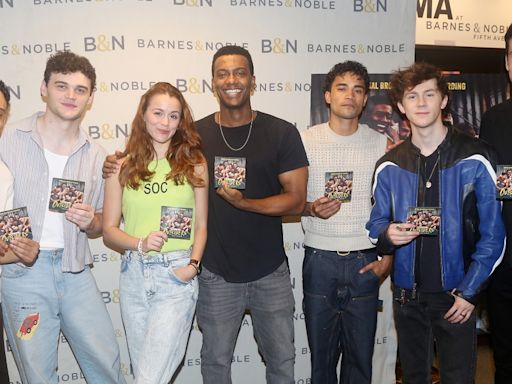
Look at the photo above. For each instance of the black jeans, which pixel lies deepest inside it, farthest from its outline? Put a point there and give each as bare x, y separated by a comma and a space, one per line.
419, 320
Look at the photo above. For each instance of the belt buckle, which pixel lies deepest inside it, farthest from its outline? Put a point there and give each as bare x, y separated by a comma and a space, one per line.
341, 253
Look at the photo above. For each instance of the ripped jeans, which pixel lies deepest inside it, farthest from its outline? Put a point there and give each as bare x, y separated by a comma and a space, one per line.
157, 309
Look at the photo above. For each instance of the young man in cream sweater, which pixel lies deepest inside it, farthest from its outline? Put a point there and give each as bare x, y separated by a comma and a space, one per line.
341, 273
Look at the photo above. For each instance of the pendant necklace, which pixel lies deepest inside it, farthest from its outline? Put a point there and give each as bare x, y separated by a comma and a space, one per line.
428, 183
246, 140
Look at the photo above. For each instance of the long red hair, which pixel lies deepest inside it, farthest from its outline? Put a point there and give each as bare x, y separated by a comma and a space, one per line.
184, 151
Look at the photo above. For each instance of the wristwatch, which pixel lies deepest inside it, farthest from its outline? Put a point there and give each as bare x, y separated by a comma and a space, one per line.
196, 264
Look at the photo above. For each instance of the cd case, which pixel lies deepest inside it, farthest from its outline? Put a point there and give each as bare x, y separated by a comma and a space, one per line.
176, 222
65, 193
426, 220
338, 185
15, 223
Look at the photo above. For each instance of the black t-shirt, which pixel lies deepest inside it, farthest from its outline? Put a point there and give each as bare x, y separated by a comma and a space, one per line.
428, 256
496, 129
244, 246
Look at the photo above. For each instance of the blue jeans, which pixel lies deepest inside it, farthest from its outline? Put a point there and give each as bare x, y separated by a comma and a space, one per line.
220, 309
419, 320
340, 308
157, 309
39, 302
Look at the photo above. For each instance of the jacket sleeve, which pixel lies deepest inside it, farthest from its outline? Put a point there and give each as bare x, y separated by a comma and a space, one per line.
490, 247
381, 214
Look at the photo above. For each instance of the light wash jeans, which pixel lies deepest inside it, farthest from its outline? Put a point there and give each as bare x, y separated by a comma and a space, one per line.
220, 309
157, 309
41, 300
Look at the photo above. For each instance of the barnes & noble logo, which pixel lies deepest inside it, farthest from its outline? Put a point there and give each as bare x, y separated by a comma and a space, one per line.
6, 3
108, 132
193, 3
278, 46
370, 6
15, 91
103, 43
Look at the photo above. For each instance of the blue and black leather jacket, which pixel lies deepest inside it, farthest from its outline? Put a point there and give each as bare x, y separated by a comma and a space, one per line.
471, 234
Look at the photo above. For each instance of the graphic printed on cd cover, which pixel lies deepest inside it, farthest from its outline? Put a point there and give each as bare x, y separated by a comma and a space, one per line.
338, 185
65, 193
230, 170
176, 222
426, 220
504, 182
15, 223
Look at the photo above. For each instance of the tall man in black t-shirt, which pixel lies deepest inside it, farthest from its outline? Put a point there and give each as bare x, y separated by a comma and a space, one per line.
496, 129
244, 261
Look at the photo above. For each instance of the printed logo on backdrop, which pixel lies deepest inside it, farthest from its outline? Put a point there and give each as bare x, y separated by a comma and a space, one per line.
235, 359
440, 15
193, 3
283, 87
45, 48
6, 4
15, 91
186, 45
110, 297
108, 131
376, 48
281, 46
112, 256
371, 6
278, 45
104, 43
73, 2
304, 4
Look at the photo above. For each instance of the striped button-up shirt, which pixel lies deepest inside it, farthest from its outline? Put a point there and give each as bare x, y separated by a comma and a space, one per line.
22, 150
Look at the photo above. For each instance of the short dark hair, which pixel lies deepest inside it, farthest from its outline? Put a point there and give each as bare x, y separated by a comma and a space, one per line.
339, 69
69, 62
508, 36
408, 78
233, 50
5, 91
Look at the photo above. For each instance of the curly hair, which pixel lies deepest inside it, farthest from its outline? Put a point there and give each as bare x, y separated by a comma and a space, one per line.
69, 62
340, 69
184, 151
406, 79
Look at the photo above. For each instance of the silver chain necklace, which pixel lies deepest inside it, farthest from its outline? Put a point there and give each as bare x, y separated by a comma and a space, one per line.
428, 183
246, 140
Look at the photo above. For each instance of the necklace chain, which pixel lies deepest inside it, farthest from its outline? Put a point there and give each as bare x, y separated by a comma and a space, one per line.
246, 140
428, 183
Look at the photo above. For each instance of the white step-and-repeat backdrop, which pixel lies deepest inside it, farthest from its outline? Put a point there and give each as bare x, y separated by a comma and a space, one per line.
134, 43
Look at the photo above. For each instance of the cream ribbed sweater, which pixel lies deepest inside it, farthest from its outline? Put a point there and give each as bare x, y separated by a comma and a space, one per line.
330, 152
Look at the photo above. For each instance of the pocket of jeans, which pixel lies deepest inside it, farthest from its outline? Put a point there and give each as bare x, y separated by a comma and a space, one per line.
175, 265
12, 271
207, 276
282, 270
124, 265
309, 255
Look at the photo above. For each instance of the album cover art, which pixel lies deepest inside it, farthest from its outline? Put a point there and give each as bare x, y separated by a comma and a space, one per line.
504, 182
426, 220
14, 223
230, 170
338, 185
65, 193
176, 222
